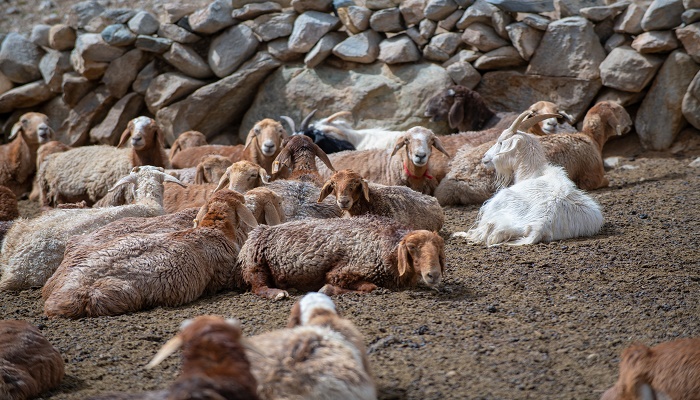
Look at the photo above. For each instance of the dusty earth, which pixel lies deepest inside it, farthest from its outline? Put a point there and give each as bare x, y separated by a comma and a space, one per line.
544, 321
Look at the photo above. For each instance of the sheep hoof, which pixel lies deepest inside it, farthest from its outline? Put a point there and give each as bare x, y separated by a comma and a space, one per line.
459, 235
281, 295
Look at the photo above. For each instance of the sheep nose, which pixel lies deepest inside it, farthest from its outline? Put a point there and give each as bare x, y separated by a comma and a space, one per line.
429, 275
344, 203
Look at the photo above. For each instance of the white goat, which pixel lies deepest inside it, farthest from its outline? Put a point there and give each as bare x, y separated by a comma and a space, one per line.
363, 139
542, 205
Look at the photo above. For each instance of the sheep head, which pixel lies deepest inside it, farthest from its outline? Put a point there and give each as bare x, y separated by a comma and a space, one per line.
228, 207
186, 140
271, 204
144, 133
211, 168
146, 173
549, 125
347, 186
422, 252
462, 107
419, 142
266, 136
634, 382
298, 153
242, 176
308, 306
34, 128
605, 120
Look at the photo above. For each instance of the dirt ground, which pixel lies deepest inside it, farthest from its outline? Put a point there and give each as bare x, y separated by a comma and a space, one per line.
544, 321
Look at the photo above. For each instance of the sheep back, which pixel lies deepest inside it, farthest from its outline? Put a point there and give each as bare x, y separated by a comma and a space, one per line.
192, 156
299, 200
406, 206
9, 208
176, 197
580, 156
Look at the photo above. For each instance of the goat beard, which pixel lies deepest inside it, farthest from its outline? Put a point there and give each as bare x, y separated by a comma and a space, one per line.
503, 178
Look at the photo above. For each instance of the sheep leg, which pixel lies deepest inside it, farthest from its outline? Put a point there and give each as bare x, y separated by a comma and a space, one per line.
258, 279
360, 287
339, 281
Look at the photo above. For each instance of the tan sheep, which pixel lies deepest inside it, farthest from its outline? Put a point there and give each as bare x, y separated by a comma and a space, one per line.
187, 140
265, 205
9, 210
298, 156
44, 151
242, 176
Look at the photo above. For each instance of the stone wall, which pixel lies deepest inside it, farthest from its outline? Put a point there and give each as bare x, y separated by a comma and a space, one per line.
221, 68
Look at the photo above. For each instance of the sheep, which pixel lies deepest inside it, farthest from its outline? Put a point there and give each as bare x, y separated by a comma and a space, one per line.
187, 140
18, 158
468, 182
209, 170
356, 196
340, 255
144, 270
327, 143
33, 248
86, 173
29, 364
242, 176
44, 151
669, 370
337, 127
261, 147
265, 205
298, 155
412, 169
543, 204
9, 210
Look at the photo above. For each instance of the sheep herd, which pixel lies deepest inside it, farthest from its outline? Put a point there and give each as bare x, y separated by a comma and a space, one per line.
326, 210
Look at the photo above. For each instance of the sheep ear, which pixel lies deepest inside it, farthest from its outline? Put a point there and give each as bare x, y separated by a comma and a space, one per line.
323, 156
168, 348
567, 117
203, 210
365, 189
404, 258
170, 178
282, 159
438, 145
125, 135
263, 175
199, 175
325, 191
131, 178
224, 181
456, 114
294, 316
175, 149
400, 142
249, 139
272, 217
16, 128
246, 216
614, 123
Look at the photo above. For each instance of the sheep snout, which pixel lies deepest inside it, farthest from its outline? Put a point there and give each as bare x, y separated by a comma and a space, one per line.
268, 148
344, 202
549, 126
44, 132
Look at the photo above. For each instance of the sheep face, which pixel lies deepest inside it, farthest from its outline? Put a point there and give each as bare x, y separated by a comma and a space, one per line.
186, 140
422, 252
298, 154
613, 117
211, 169
347, 186
267, 135
143, 131
34, 127
242, 176
549, 125
419, 142
462, 107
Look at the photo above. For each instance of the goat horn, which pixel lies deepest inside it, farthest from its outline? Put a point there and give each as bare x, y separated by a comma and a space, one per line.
339, 114
516, 124
289, 122
530, 122
323, 156
169, 348
131, 178
170, 178
305, 122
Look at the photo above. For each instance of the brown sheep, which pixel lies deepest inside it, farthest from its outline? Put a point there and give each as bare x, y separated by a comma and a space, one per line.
242, 176
340, 255
465, 110
265, 205
669, 370
18, 158
44, 151
299, 154
187, 140
210, 169
29, 364
9, 210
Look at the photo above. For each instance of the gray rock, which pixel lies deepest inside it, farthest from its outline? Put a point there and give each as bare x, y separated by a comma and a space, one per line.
118, 35
437, 10
358, 19
122, 72
381, 4
168, 88
525, 38
230, 49
604, 29
153, 44
272, 26
660, 117
118, 15
480, 11
442, 46
483, 37
513, 91
110, 129
691, 102
75, 87
177, 34
536, 21
688, 4
399, 49
427, 28
144, 78
91, 47
577, 44
690, 37
302, 6
630, 21
415, 35
361, 48
89, 69
527, 6
387, 20
174, 11
24, 96
40, 35
323, 48
61, 37
450, 21
620, 97
467, 56
617, 40
500, 20
52, 66
690, 16
309, 28
5, 83
215, 17
627, 70
412, 11
663, 14
144, 23
81, 13
463, 73
185, 59
254, 10
569, 8
655, 42
464, 3
502, 57
230, 94
394, 98
279, 48
89, 110
599, 13
19, 59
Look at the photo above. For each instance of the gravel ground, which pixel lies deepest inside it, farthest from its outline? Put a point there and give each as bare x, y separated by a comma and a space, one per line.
544, 321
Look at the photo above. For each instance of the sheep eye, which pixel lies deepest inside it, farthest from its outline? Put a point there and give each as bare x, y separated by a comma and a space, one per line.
411, 247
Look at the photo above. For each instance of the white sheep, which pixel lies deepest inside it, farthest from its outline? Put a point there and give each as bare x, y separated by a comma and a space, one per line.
33, 248
338, 127
543, 204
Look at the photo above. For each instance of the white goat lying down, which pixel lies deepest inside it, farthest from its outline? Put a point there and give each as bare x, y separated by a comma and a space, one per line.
543, 204
337, 126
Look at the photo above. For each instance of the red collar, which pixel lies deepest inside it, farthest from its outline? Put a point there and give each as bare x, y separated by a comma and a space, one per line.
410, 175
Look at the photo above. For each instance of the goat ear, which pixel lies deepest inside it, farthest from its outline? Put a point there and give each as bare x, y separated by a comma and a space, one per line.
16, 128
456, 114
509, 144
323, 156
400, 142
245, 216
438, 145
294, 316
125, 135
365, 189
224, 181
615, 124
404, 258
272, 217
175, 149
325, 191
199, 175
263, 175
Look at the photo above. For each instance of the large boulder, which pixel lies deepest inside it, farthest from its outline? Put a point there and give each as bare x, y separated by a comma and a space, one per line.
625, 69
378, 95
19, 59
691, 102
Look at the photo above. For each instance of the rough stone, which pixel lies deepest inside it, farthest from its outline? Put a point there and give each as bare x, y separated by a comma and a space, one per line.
40, 35
302, 6
118, 15
467, 56
617, 40
75, 87
691, 16
412, 11
442, 46
463, 73
663, 14
393, 97
174, 11
89, 110
450, 22
514, 91
19, 59
688, 4
655, 42
230, 94
358, 19
110, 129
627, 70
620, 97
324, 48
213, 18
570, 8
577, 44
415, 35
660, 117
502, 57
483, 37
28, 95
5, 83
538, 22
185, 59
272, 26
604, 29
480, 11
381, 4
525, 38
122, 72
362, 48
118, 35
144, 23
279, 48
437, 10
153, 44
690, 37
399, 49
52, 66
309, 28
254, 10
388, 20
230, 49
599, 13
177, 34
630, 21
89, 69
81, 13
500, 21
61, 37
691, 102
427, 28
168, 88
91, 47
144, 78
524, 6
